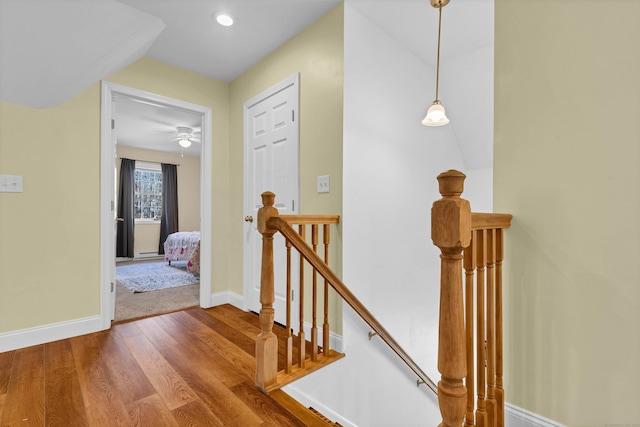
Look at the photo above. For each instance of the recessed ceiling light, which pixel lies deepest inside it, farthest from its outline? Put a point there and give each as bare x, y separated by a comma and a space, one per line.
224, 19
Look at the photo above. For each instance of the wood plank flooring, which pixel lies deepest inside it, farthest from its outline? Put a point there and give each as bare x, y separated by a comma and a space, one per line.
188, 368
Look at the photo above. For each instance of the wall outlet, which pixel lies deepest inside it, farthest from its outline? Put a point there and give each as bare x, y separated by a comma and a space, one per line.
10, 184
323, 184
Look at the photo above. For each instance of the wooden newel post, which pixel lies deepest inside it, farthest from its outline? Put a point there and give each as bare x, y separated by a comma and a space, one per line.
267, 342
451, 232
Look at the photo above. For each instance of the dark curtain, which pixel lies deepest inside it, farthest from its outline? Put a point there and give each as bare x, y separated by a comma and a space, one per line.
124, 231
169, 218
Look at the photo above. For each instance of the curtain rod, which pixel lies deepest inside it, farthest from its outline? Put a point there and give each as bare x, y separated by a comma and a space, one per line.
150, 161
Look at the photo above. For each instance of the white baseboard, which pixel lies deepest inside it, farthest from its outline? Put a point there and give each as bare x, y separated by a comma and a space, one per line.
514, 416
518, 417
48, 333
147, 255
307, 401
227, 297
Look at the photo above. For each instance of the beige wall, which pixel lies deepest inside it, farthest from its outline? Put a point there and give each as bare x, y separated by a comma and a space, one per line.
55, 223
567, 165
147, 235
317, 54
49, 234
56, 220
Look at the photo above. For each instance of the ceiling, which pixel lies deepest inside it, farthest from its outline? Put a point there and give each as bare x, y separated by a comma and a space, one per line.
153, 126
67, 35
194, 41
263, 25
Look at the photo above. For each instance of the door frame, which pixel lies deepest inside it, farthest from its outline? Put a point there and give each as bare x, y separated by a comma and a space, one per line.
107, 192
293, 80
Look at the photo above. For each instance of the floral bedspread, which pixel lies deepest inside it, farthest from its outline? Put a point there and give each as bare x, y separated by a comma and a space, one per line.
184, 246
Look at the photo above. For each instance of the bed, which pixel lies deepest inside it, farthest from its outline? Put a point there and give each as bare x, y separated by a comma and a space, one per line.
184, 246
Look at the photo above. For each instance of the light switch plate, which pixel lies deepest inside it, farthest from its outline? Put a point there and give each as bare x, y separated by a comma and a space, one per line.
323, 184
10, 184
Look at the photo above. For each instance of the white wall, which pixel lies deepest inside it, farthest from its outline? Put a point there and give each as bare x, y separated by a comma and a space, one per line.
390, 166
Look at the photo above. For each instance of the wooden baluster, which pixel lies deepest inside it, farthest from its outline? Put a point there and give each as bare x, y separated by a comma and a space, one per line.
289, 362
470, 267
267, 342
481, 251
325, 325
451, 232
314, 306
491, 399
499, 385
302, 352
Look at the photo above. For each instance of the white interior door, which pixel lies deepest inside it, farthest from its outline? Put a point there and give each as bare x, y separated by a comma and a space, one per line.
271, 164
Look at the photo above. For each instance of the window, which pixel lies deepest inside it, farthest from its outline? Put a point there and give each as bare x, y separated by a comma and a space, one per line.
147, 199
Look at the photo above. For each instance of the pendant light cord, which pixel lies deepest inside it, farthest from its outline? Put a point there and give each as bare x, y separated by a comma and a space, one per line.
438, 61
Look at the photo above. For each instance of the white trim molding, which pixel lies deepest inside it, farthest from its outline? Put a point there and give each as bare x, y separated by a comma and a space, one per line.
228, 297
107, 192
309, 402
515, 416
48, 333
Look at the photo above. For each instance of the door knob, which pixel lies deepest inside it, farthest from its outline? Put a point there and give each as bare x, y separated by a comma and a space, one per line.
120, 219
248, 218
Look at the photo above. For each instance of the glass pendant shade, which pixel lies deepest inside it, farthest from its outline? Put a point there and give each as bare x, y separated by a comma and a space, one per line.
184, 142
435, 115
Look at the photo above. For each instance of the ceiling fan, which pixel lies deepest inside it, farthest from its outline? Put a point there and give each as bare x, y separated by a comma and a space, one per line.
186, 136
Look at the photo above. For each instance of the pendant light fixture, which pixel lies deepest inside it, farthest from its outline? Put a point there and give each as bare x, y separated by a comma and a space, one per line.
436, 115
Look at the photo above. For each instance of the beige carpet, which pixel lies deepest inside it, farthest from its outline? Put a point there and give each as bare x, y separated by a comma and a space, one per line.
131, 305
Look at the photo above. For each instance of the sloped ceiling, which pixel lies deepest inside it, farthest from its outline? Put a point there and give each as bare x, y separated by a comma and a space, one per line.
51, 50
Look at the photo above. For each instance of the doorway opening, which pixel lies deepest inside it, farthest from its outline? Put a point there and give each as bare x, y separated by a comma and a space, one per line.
149, 128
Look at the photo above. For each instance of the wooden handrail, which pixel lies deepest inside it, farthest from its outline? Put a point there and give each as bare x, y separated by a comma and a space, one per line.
311, 219
270, 222
454, 229
487, 221
341, 289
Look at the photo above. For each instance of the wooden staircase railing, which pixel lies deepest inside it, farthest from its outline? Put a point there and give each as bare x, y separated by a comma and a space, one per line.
470, 328
267, 376
465, 347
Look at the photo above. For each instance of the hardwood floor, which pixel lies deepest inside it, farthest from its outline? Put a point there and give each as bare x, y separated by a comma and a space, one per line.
188, 368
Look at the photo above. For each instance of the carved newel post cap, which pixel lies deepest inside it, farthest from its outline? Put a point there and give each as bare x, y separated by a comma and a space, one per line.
268, 198
266, 212
451, 183
451, 215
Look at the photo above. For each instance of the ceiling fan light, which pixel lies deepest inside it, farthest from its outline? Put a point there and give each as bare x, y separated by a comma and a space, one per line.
184, 142
436, 115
